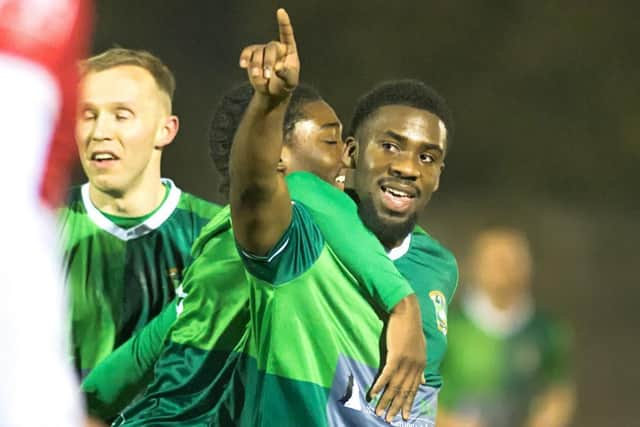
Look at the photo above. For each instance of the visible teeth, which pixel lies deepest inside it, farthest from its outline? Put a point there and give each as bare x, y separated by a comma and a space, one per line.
397, 193
340, 179
103, 156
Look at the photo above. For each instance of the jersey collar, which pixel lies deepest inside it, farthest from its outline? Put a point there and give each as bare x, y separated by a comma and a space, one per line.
399, 251
500, 323
150, 224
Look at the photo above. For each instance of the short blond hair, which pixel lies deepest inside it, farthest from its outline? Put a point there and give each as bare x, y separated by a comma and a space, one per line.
118, 56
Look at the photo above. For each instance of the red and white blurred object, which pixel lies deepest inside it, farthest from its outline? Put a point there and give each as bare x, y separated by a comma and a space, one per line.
40, 44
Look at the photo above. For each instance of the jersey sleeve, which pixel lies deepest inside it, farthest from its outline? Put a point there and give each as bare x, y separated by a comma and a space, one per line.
296, 251
115, 381
336, 215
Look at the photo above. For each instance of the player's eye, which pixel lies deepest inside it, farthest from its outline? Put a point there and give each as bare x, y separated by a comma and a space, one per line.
389, 146
123, 115
88, 115
427, 158
330, 142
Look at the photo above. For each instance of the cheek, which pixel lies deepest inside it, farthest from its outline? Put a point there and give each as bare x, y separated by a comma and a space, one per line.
81, 135
370, 165
323, 158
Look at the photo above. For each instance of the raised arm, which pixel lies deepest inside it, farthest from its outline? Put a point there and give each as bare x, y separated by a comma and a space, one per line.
260, 202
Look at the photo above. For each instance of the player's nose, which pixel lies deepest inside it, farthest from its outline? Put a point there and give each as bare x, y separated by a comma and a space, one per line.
102, 128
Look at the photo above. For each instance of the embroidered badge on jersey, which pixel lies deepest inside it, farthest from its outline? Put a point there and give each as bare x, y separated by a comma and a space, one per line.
440, 305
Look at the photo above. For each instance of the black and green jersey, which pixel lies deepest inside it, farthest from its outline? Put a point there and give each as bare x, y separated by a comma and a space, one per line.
120, 278
492, 371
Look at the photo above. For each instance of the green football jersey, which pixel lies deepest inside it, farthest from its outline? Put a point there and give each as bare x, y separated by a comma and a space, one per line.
210, 357
120, 278
432, 271
197, 378
493, 373
300, 296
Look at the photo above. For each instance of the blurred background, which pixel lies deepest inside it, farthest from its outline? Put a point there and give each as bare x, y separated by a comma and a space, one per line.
545, 96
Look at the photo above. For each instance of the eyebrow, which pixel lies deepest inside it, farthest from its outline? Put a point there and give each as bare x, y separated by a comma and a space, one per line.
401, 138
112, 105
330, 125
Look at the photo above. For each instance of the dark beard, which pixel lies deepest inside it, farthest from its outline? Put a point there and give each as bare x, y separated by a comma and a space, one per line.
388, 234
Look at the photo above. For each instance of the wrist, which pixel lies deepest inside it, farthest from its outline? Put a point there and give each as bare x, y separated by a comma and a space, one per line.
267, 101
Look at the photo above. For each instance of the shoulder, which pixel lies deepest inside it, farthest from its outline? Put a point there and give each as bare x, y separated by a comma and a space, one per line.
73, 205
295, 253
424, 242
219, 225
435, 256
198, 206
551, 325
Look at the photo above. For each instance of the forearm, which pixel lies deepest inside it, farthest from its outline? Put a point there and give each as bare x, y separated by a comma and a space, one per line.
256, 149
260, 203
114, 382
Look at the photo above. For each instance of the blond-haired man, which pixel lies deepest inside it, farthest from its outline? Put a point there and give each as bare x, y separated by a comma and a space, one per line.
127, 231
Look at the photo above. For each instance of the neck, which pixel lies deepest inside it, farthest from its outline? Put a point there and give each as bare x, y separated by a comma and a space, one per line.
390, 245
501, 322
506, 300
137, 201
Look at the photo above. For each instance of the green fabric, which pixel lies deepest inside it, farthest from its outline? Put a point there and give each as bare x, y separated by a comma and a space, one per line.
195, 379
300, 329
118, 284
494, 376
121, 376
213, 353
295, 252
432, 271
336, 215
130, 221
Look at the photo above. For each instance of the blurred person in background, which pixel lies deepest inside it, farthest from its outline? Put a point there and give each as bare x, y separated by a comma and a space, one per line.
40, 42
508, 363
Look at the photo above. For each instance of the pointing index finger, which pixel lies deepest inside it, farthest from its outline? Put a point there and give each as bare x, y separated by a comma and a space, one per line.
286, 31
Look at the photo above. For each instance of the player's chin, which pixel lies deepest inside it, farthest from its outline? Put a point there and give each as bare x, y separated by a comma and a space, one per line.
106, 183
393, 217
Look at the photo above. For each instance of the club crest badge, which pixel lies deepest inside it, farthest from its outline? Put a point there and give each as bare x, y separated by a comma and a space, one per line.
440, 306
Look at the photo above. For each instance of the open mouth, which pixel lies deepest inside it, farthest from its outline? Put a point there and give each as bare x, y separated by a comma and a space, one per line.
396, 199
103, 157
397, 192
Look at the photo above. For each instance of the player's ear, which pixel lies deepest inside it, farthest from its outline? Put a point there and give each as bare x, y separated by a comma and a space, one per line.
168, 131
350, 153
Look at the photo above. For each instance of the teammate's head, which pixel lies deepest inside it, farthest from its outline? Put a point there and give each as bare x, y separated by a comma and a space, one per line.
399, 136
311, 131
312, 136
501, 263
124, 119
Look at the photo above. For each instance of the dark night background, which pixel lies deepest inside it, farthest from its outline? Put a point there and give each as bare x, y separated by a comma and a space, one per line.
545, 96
